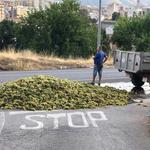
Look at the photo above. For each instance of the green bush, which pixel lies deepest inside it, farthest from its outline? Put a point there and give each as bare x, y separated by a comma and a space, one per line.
133, 33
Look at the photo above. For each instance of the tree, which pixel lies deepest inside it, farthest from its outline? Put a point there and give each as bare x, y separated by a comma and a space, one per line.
62, 29
133, 33
34, 32
115, 16
7, 34
105, 42
122, 34
72, 31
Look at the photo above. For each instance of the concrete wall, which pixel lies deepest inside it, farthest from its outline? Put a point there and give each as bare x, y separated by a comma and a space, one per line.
106, 24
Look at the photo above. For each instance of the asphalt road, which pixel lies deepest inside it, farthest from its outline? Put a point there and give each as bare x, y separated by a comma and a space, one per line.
109, 75
112, 128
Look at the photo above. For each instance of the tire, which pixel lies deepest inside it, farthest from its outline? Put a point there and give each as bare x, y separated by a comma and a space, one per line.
137, 80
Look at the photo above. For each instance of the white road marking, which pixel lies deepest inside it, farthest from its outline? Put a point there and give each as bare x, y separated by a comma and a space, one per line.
28, 112
76, 119
23, 112
70, 120
19, 112
94, 119
2, 121
56, 117
29, 118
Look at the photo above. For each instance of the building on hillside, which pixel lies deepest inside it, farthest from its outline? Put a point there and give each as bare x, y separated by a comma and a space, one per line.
2, 12
9, 10
48, 3
37, 4
14, 9
21, 11
146, 9
115, 6
139, 9
30, 3
93, 12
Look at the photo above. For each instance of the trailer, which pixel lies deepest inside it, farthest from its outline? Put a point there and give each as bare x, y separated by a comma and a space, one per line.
135, 64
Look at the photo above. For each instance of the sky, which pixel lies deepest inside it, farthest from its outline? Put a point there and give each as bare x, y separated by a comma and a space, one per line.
104, 2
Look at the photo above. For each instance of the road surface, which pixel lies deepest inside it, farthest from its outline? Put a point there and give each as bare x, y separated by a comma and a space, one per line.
112, 128
109, 75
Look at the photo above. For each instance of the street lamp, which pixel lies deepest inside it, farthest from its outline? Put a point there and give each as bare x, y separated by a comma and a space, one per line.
99, 25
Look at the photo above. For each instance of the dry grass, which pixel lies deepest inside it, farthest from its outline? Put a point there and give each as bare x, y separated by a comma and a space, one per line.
27, 60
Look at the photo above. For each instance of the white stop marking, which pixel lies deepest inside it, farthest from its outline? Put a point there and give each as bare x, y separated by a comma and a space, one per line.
2, 121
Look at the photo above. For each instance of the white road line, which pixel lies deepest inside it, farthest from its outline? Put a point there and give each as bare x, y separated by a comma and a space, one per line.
23, 112
28, 112
2, 121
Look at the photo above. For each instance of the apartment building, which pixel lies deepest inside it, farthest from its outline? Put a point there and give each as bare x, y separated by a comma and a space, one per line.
2, 12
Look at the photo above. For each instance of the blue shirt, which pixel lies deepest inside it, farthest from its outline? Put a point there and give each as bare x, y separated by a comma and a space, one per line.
99, 58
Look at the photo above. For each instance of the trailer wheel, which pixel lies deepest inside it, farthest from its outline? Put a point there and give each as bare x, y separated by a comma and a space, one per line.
137, 80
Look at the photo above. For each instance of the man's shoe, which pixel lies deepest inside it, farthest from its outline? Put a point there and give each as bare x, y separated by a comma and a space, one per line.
99, 84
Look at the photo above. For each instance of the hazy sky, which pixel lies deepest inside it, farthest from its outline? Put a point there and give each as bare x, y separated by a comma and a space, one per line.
104, 2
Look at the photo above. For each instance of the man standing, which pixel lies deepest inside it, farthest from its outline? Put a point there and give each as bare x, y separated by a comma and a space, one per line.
99, 59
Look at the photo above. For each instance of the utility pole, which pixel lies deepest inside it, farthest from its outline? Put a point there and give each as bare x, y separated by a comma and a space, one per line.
99, 26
